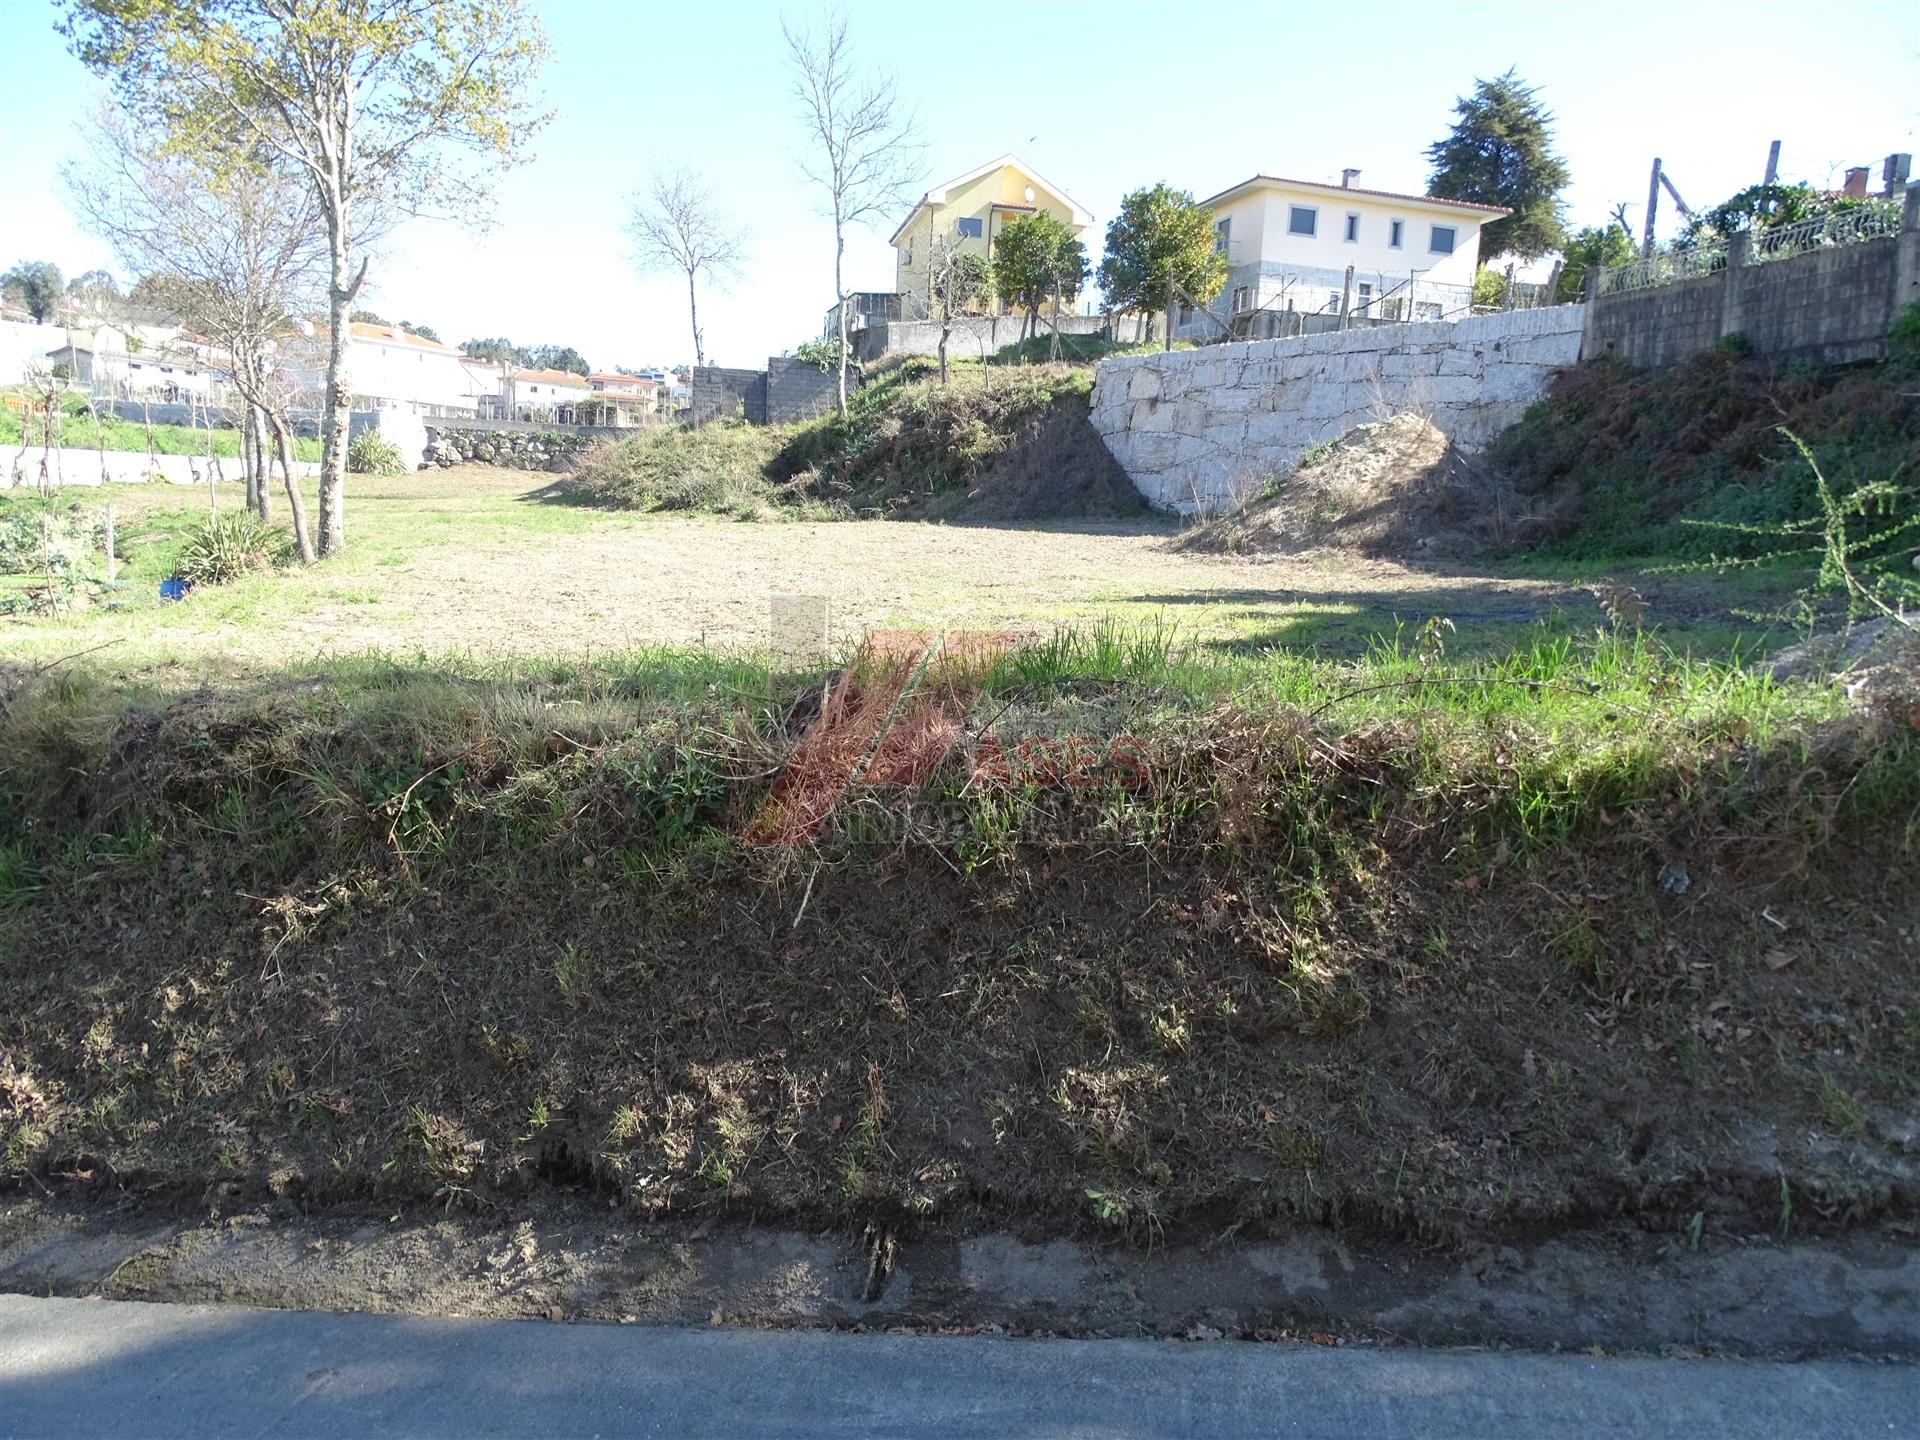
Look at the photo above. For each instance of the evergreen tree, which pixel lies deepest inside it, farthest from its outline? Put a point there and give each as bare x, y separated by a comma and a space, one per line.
1158, 242
1500, 152
1031, 256
35, 286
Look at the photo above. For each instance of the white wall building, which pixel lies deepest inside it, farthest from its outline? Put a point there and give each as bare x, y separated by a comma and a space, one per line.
1289, 242
394, 369
140, 362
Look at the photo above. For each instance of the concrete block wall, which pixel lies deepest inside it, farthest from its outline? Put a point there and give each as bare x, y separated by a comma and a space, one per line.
720, 393
1202, 428
797, 390
974, 335
1831, 305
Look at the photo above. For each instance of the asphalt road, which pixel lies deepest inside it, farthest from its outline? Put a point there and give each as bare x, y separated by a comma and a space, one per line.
113, 1368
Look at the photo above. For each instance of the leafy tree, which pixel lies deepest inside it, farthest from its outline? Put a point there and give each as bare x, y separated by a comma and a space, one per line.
677, 226
1500, 152
1034, 255
235, 253
367, 317
96, 290
364, 97
957, 282
558, 357
425, 332
1161, 244
35, 285
499, 350
1593, 248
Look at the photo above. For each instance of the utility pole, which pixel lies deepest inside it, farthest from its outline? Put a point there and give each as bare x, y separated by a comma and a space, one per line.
1346, 300
1773, 173
1653, 206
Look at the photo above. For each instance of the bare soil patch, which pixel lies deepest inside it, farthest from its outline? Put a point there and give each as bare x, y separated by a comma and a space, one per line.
566, 1258
1395, 488
686, 580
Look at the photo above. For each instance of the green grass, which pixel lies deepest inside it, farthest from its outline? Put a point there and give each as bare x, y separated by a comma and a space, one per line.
391, 521
82, 432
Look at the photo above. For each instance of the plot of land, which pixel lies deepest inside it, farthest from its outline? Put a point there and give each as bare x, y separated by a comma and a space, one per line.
489, 562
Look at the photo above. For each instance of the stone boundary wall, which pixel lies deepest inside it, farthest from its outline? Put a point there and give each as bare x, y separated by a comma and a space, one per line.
1201, 429
553, 450
1832, 305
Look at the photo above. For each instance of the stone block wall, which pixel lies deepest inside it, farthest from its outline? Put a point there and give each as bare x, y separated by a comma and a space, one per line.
1203, 428
527, 449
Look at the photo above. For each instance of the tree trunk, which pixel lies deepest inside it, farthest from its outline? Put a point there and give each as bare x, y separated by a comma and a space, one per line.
247, 447
693, 316
1169, 335
296, 508
840, 297
342, 288
263, 473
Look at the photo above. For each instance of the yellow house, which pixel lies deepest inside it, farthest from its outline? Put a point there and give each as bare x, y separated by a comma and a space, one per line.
968, 211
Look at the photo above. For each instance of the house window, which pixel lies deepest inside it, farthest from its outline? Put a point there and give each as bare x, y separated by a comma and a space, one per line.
1240, 299
906, 258
1443, 240
1426, 310
1303, 220
970, 228
1223, 234
1186, 312
1353, 228
1366, 296
1395, 230
1333, 301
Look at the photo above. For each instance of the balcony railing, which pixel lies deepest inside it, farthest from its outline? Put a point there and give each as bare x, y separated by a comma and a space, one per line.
864, 308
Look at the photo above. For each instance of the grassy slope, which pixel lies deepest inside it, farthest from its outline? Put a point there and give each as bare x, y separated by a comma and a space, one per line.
1409, 958
81, 432
1690, 463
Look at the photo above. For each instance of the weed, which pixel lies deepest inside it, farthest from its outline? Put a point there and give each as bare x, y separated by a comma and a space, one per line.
1837, 1107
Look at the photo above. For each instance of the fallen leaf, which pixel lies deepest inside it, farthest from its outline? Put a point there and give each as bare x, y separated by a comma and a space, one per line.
1778, 959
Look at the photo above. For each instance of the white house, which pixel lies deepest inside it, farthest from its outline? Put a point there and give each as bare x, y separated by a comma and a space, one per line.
543, 394
394, 369
141, 362
1288, 244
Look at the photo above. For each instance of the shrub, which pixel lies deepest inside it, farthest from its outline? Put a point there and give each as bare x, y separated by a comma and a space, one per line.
1903, 337
228, 546
371, 453
714, 467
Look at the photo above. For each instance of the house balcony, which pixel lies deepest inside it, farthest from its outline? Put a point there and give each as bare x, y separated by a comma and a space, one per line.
864, 308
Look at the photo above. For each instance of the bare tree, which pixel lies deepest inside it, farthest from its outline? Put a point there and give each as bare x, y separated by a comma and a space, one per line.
866, 151
676, 226
236, 253
371, 100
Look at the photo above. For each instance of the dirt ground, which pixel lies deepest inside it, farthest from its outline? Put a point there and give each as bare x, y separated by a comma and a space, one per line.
488, 562
713, 582
566, 1258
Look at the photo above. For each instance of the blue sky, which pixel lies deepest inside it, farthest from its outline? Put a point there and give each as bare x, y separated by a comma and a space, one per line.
1110, 96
